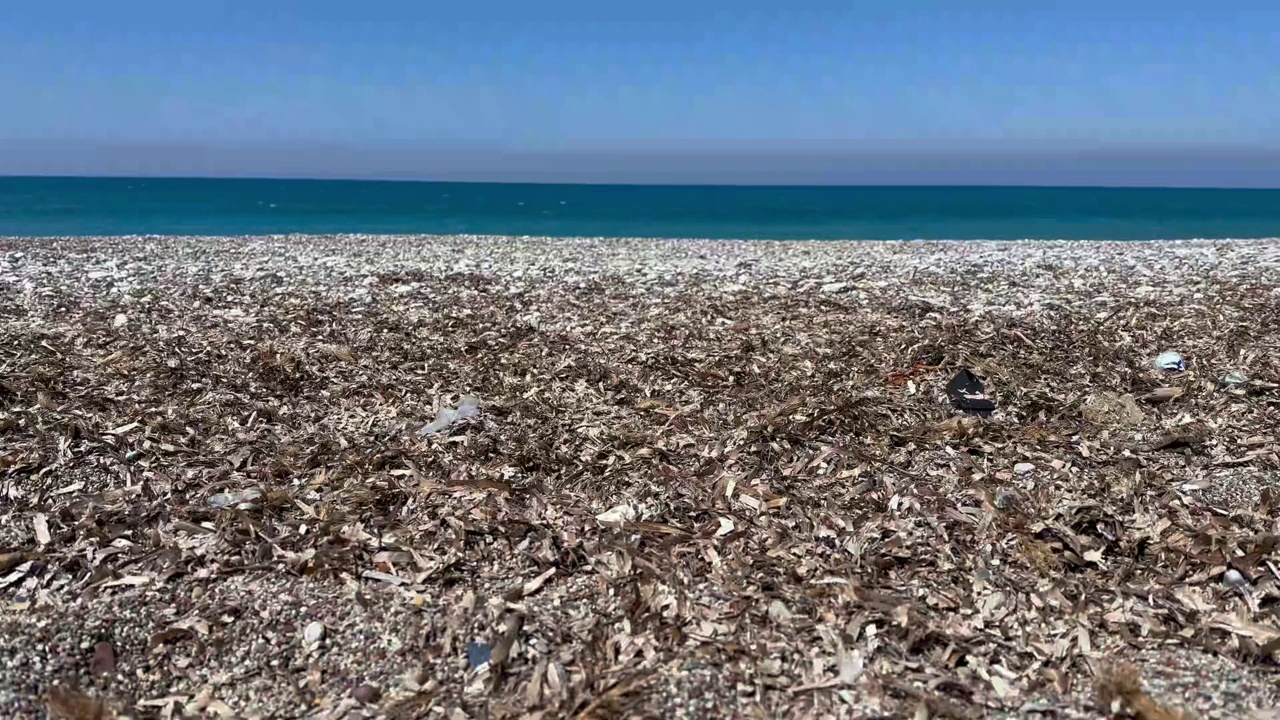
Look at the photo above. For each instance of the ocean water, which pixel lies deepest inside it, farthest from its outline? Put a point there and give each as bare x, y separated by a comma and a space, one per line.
121, 206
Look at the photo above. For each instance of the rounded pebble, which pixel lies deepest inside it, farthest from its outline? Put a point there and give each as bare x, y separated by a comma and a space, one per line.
367, 694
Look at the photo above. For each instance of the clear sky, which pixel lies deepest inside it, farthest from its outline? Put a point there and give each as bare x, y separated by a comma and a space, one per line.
504, 88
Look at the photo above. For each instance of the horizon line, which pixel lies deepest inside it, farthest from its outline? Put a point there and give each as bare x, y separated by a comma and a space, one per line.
431, 181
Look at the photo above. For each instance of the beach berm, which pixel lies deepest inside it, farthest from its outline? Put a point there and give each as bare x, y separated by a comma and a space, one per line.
692, 478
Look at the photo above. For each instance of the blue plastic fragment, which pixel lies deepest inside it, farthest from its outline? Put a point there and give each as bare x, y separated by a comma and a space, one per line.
478, 654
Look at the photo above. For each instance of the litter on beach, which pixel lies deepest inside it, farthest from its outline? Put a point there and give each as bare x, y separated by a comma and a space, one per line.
404, 476
1170, 361
967, 393
468, 407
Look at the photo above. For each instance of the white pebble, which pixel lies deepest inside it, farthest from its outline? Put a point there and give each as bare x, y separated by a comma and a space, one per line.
1024, 468
313, 633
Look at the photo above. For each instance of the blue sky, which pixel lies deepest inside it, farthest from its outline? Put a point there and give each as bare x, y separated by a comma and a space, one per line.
185, 87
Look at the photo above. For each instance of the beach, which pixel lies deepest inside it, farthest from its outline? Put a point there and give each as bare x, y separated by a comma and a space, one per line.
705, 478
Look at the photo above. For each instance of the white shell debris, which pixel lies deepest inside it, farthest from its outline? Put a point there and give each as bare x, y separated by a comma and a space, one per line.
726, 527
1170, 361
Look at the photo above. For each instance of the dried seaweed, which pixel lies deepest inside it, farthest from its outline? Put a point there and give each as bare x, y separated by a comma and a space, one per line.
1119, 689
64, 703
705, 475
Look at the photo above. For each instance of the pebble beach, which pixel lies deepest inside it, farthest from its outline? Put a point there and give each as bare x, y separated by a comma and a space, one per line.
357, 476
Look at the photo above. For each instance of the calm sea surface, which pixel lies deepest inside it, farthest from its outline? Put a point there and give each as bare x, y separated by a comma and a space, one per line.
98, 206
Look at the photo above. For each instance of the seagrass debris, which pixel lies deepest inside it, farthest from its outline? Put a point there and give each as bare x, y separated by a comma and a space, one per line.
702, 476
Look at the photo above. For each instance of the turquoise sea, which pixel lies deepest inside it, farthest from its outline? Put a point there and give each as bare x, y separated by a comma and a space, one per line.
124, 206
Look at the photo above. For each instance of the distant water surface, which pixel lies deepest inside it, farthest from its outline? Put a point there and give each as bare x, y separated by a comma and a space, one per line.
121, 206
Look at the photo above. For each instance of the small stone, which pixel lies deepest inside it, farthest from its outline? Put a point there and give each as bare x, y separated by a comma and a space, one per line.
104, 659
835, 287
1233, 579
120, 321
779, 612
1024, 468
367, 694
313, 633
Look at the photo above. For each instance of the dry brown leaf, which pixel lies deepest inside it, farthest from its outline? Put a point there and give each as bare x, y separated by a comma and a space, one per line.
343, 353
66, 703
11, 560
1118, 688
1108, 408
1164, 394
958, 428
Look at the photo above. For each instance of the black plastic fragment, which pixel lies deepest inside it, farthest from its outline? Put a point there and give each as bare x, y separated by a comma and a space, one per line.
966, 393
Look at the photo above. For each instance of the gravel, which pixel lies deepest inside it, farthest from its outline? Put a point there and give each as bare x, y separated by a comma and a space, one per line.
211, 563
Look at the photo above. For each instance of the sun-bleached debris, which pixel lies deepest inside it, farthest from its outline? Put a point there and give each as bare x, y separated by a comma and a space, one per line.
694, 478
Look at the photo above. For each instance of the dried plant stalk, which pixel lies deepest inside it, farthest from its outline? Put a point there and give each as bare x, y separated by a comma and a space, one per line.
1119, 689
